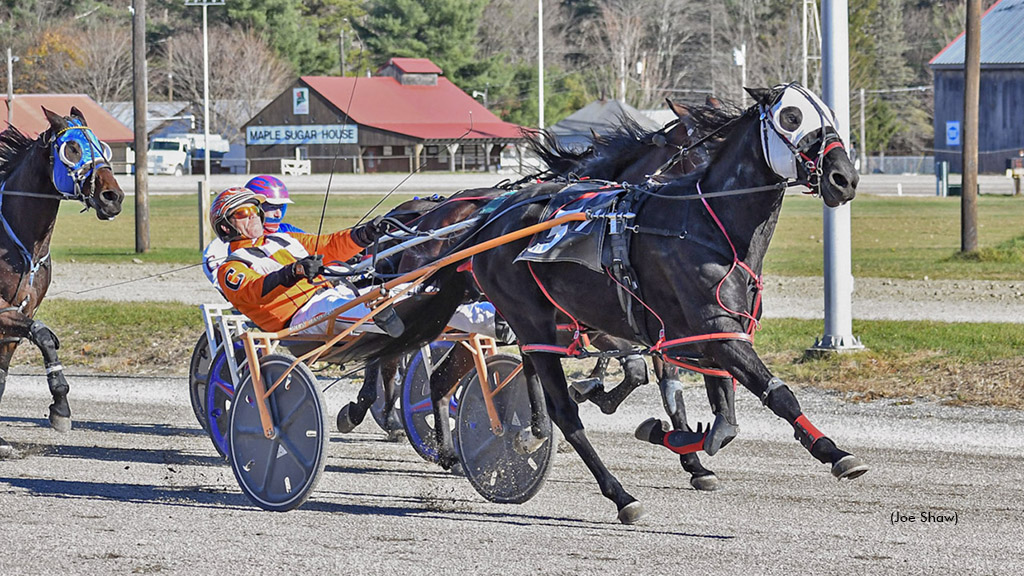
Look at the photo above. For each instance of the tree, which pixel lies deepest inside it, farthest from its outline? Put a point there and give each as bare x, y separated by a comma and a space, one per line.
442, 30
244, 74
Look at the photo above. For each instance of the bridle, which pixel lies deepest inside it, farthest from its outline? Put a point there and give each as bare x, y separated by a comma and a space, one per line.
70, 177
827, 139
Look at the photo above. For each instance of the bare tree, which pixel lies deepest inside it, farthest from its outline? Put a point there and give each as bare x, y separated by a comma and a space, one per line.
244, 74
100, 67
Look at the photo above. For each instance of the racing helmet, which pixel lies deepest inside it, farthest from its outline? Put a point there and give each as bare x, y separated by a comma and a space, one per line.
225, 204
277, 197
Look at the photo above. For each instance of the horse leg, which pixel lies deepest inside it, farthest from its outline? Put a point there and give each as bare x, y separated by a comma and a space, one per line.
529, 440
6, 351
634, 375
442, 383
565, 414
743, 363
390, 373
672, 398
352, 414
19, 325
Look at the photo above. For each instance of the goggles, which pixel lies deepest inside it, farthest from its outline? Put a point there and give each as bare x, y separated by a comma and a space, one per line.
245, 211
270, 207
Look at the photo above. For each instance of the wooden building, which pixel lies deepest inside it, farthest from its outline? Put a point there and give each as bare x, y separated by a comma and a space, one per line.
1001, 105
27, 116
408, 117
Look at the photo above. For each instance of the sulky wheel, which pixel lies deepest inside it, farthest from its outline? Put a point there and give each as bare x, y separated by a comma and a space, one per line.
220, 393
199, 378
493, 466
279, 473
417, 412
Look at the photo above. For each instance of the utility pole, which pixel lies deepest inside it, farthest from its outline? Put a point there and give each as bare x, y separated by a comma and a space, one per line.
341, 47
140, 92
835, 83
863, 137
540, 63
972, 92
204, 195
10, 87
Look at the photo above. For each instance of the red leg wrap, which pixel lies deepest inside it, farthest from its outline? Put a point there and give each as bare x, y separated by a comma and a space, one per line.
684, 442
806, 433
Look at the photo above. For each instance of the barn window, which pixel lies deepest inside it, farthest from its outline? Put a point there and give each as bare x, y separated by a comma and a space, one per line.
387, 150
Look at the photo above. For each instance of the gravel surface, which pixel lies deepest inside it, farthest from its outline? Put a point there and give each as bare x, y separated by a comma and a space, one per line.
785, 297
136, 487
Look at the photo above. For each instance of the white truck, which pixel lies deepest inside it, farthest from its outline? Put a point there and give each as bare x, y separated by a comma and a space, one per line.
173, 154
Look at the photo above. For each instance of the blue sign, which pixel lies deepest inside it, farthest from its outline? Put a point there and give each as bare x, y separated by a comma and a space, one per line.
302, 134
953, 133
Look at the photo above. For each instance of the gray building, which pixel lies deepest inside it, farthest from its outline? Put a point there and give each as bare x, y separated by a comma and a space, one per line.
1001, 105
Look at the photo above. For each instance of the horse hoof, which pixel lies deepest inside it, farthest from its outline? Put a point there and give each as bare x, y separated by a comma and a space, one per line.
345, 423
632, 513
7, 452
849, 467
651, 430
59, 422
395, 435
581, 390
526, 443
706, 483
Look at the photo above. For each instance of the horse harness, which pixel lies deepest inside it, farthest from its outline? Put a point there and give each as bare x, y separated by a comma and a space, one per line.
622, 202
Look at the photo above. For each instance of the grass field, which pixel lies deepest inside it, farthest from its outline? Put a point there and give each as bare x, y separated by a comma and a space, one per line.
893, 237
896, 237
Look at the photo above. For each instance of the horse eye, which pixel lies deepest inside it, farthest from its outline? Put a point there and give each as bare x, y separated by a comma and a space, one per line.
74, 151
790, 118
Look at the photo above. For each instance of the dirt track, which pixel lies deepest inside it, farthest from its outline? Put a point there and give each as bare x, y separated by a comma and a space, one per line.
137, 488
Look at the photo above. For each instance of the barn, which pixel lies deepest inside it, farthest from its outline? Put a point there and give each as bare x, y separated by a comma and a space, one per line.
406, 118
27, 115
1001, 105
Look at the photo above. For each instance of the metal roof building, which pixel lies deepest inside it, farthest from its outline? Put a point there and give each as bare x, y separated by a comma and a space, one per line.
1001, 106
407, 117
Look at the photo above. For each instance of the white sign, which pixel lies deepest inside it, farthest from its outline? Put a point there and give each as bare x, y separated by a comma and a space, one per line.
300, 101
303, 134
953, 133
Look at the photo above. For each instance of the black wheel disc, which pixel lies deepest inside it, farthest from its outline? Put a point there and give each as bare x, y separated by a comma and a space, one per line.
279, 473
199, 378
492, 465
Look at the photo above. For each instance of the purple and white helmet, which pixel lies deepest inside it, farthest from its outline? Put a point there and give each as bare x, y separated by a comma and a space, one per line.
269, 186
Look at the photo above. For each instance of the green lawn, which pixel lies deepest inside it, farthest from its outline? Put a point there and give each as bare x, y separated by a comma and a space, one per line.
898, 237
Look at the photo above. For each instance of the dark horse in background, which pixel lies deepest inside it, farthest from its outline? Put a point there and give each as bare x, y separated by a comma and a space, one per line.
697, 248
66, 162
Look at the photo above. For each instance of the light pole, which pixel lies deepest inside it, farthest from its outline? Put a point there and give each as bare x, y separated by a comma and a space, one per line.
10, 87
540, 63
204, 197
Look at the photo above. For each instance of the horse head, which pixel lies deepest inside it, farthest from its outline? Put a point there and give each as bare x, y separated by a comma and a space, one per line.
80, 164
800, 140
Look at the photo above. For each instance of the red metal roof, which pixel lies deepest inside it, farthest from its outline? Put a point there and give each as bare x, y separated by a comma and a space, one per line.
29, 118
441, 112
415, 65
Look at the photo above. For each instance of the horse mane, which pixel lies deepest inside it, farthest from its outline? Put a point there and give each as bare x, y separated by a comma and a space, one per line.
559, 159
14, 146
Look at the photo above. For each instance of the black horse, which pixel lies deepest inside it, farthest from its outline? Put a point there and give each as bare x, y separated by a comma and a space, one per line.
696, 253
66, 162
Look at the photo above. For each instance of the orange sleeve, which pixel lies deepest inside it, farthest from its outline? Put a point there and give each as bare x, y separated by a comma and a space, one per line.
336, 247
262, 298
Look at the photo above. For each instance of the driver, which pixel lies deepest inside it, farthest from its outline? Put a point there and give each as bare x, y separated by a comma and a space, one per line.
270, 277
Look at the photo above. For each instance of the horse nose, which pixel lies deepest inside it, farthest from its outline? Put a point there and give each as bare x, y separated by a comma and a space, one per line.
847, 184
110, 202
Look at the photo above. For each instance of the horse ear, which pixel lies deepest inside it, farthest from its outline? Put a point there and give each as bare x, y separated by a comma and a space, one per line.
76, 113
56, 121
680, 110
760, 95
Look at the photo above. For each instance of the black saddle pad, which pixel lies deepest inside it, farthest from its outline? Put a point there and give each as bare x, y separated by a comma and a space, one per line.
578, 242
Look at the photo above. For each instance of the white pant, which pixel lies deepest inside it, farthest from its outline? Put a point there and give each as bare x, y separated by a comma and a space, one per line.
476, 318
